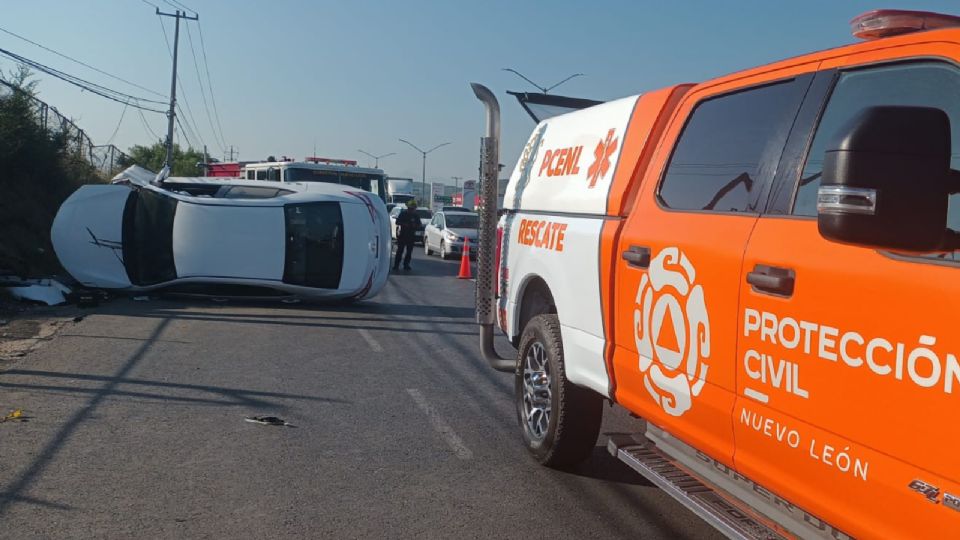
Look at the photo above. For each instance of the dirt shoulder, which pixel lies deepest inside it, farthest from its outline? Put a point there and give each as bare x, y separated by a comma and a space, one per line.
24, 327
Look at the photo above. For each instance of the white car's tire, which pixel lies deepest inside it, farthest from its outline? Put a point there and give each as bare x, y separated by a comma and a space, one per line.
426, 249
444, 254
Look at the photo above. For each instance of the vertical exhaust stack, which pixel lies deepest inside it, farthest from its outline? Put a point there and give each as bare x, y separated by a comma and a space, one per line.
486, 273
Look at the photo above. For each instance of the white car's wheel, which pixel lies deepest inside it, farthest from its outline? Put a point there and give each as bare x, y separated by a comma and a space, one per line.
444, 254
426, 248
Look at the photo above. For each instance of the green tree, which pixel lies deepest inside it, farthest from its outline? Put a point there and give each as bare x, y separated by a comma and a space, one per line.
152, 157
41, 166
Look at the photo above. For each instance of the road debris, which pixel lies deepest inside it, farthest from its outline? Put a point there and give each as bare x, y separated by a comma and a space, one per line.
15, 416
268, 421
141, 298
46, 291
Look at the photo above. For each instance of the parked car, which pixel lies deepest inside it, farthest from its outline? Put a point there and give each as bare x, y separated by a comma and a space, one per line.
225, 237
425, 216
447, 231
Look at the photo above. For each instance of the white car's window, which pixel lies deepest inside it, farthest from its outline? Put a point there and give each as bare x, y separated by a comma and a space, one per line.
462, 221
253, 192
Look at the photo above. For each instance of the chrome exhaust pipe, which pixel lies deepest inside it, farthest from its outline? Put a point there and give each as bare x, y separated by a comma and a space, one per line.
486, 273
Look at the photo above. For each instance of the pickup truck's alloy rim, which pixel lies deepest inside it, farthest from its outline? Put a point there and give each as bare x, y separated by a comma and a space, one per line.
536, 391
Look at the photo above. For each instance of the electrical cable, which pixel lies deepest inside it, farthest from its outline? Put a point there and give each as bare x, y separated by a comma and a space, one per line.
100, 90
116, 129
48, 49
206, 107
146, 125
206, 66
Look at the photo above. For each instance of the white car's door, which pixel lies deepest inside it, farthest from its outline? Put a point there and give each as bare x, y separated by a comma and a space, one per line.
430, 234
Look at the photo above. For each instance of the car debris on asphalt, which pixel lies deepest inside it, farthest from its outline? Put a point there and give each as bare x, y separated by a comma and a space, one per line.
46, 291
268, 421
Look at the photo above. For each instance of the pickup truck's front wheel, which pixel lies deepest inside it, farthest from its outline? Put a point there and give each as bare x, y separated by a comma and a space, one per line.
560, 422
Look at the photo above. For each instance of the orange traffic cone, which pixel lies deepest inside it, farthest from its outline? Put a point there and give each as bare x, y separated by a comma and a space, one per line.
465, 261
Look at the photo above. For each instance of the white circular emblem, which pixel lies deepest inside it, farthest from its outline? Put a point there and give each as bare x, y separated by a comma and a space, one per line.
669, 301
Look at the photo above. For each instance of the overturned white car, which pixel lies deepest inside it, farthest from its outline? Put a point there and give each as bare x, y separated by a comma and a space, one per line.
225, 237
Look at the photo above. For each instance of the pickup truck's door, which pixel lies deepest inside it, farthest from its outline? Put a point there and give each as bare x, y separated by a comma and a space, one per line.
847, 365
679, 256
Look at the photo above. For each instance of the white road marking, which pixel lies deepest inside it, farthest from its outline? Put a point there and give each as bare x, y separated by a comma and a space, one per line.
759, 396
370, 341
442, 427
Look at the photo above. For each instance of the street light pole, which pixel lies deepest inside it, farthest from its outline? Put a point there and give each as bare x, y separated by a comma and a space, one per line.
376, 159
423, 178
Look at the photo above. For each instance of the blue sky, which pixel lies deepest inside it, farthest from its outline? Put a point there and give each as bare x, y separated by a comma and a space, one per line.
349, 75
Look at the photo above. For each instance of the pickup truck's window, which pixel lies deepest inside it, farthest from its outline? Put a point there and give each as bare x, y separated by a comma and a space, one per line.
924, 84
729, 147
314, 250
148, 237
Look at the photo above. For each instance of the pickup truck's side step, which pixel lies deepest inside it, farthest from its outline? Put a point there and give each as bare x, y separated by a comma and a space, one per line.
704, 501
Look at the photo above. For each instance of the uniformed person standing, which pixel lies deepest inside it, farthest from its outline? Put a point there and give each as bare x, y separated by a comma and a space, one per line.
408, 223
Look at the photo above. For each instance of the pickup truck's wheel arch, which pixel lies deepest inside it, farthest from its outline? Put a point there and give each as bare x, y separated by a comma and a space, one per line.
559, 421
536, 299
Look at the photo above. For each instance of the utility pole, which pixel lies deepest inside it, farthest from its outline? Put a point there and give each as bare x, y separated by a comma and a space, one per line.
171, 114
231, 154
456, 182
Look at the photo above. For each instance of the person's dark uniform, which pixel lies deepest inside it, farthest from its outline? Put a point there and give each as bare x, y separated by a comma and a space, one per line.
408, 223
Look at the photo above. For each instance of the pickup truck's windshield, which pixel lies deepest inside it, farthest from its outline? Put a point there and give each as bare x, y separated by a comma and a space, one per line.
148, 237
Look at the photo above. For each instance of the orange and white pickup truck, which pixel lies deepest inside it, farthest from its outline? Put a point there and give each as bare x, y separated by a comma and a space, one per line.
764, 267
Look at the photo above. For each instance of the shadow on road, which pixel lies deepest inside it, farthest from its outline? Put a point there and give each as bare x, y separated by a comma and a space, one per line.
15, 491
229, 396
602, 466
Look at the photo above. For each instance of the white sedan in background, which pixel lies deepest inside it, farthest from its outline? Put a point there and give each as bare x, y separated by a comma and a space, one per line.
447, 232
225, 237
425, 216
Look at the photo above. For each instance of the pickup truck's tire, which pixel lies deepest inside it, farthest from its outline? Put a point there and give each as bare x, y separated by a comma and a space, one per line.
560, 422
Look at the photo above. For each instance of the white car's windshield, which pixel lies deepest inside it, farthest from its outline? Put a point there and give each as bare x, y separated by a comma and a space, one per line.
462, 222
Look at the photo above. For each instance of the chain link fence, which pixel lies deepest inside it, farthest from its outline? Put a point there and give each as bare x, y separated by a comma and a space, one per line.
106, 158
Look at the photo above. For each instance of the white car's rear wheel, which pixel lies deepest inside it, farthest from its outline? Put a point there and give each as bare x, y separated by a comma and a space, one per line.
426, 248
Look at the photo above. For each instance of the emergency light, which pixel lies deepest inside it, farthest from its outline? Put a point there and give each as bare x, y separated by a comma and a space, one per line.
881, 23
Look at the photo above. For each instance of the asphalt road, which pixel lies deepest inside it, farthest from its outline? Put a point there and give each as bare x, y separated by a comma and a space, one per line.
400, 430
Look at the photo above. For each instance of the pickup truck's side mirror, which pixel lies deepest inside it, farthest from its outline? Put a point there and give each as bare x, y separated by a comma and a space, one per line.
886, 180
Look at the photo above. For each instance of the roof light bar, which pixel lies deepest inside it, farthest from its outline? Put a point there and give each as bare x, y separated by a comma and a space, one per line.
881, 23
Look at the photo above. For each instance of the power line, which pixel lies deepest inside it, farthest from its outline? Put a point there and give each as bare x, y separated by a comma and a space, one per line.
100, 90
48, 49
146, 125
180, 5
183, 133
206, 66
116, 129
206, 107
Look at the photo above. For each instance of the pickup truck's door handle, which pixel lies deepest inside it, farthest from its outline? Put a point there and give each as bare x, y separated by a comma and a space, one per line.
772, 279
637, 256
